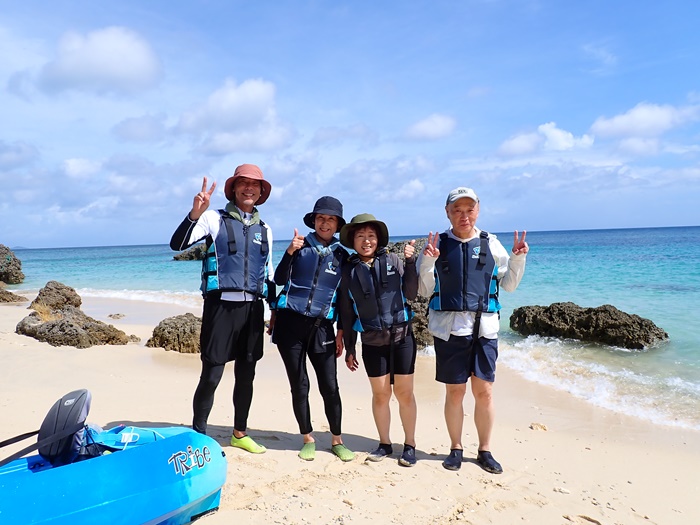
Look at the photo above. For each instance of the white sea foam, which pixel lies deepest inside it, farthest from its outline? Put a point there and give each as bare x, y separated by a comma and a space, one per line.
189, 299
596, 376
428, 351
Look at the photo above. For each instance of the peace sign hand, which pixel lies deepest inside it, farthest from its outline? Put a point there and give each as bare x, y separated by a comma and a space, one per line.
520, 247
201, 200
431, 249
296, 244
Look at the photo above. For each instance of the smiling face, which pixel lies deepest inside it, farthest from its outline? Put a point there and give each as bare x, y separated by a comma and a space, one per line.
365, 242
246, 193
326, 226
462, 214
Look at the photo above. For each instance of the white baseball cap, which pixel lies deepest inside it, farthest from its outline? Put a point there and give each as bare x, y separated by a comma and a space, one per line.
460, 193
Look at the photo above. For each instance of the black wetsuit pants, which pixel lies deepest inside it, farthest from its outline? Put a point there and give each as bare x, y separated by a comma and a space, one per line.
244, 373
230, 331
297, 337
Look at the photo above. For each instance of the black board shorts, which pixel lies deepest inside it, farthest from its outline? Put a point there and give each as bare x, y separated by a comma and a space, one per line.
232, 330
377, 358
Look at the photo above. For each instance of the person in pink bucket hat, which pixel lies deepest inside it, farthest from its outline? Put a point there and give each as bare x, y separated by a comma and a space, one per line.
236, 276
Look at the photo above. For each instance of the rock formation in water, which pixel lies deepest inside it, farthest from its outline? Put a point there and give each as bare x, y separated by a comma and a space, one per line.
603, 324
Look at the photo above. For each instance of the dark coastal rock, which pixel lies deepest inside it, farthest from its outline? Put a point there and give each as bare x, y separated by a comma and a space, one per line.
420, 304
9, 297
603, 324
10, 266
56, 295
179, 333
420, 323
194, 253
58, 320
69, 326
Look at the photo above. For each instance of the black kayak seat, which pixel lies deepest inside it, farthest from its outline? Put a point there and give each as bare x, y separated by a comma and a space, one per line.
61, 434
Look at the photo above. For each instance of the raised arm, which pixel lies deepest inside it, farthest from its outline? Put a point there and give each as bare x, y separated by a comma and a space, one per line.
409, 271
426, 265
200, 203
191, 230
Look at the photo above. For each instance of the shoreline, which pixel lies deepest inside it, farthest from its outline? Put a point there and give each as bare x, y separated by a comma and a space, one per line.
590, 463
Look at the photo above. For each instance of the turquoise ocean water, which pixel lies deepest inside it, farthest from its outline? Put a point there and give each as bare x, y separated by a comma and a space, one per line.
652, 272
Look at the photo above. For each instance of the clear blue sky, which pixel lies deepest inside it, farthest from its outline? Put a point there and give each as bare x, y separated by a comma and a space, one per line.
561, 115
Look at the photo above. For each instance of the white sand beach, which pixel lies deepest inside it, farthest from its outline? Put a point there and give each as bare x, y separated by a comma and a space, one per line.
565, 461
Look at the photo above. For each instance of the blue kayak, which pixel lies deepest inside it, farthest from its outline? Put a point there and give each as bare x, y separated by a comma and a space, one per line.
170, 475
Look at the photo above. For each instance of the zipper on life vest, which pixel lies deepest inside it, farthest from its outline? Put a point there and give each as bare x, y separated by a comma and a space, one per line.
377, 295
313, 284
465, 273
245, 260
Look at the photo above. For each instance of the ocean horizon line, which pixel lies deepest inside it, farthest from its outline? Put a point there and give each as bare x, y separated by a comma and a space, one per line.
400, 237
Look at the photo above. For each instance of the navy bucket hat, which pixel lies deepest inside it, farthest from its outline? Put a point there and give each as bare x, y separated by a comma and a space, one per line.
327, 206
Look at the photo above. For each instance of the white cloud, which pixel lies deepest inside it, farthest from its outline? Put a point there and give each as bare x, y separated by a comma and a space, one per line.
147, 128
601, 55
237, 117
405, 191
639, 146
522, 144
109, 60
386, 180
681, 149
16, 154
103, 206
433, 127
80, 168
335, 135
645, 120
560, 140
548, 137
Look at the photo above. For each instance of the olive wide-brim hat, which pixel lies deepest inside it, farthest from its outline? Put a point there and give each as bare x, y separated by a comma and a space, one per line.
347, 232
326, 205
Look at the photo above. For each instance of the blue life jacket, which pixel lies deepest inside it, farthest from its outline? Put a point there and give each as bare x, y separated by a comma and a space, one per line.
465, 276
237, 259
311, 288
377, 293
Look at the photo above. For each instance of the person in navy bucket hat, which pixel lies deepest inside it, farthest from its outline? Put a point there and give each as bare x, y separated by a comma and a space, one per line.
303, 320
325, 206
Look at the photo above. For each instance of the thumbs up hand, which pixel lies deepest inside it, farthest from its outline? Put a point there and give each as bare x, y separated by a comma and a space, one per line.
409, 249
297, 242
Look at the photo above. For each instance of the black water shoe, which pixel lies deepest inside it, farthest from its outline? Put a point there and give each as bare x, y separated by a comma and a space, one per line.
486, 462
454, 460
383, 450
408, 456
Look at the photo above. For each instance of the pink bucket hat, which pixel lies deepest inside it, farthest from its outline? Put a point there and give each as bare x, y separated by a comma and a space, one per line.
248, 171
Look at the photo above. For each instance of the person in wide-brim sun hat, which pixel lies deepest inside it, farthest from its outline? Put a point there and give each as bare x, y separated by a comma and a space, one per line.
252, 172
347, 232
374, 290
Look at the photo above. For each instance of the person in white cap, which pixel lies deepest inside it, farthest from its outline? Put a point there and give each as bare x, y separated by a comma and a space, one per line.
236, 276
462, 270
